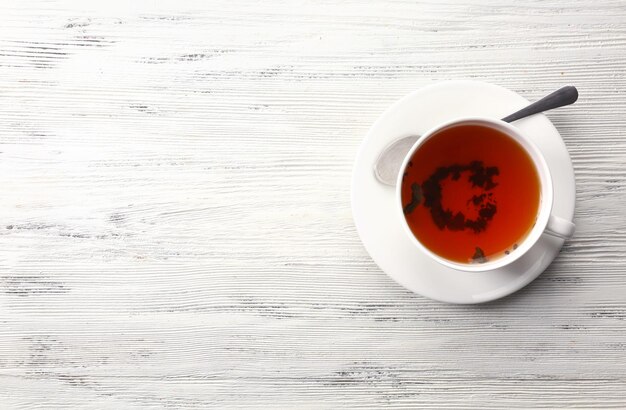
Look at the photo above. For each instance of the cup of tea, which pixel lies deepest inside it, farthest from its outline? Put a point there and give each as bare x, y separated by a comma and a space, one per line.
475, 194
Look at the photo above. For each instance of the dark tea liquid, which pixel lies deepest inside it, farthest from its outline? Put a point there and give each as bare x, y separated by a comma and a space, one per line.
471, 194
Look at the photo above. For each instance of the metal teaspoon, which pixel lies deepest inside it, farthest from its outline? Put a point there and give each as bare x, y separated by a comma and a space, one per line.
390, 159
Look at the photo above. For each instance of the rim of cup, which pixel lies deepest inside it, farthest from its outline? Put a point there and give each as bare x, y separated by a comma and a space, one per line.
546, 196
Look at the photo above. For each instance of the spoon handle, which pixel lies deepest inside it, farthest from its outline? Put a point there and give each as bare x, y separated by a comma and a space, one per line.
563, 96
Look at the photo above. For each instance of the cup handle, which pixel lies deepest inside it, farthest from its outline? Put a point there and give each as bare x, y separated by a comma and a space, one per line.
559, 227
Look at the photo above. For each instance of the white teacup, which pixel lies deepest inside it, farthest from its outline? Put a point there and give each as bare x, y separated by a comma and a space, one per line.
546, 223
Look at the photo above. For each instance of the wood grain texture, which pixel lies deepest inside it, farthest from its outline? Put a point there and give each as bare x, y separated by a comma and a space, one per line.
175, 216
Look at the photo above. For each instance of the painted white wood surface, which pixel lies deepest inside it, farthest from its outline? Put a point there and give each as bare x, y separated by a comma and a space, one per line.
175, 217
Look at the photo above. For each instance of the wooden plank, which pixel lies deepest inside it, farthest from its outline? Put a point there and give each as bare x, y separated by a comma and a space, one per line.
176, 225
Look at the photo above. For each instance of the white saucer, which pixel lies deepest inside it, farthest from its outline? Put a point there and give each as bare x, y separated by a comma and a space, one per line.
373, 204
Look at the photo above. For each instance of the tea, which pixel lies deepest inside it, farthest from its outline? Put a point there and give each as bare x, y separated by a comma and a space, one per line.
470, 193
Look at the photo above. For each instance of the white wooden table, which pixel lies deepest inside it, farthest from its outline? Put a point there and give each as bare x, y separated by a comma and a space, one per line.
175, 209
